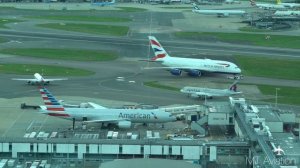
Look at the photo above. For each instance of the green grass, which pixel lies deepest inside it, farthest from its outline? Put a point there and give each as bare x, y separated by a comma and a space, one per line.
176, 7
2, 40
132, 9
89, 28
249, 38
64, 54
286, 95
269, 67
6, 21
30, 69
155, 84
81, 18
6, 7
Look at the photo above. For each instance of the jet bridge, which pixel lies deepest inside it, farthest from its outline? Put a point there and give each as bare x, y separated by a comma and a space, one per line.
253, 136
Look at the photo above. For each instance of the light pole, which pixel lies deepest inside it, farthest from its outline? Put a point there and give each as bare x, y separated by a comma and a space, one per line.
276, 96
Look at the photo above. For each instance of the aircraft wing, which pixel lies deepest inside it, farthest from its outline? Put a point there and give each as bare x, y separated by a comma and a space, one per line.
207, 94
96, 106
57, 79
22, 79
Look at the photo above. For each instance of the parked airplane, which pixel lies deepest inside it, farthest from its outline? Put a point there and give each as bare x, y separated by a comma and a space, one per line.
123, 118
287, 13
232, 2
194, 67
38, 79
102, 3
198, 92
267, 6
218, 12
288, 5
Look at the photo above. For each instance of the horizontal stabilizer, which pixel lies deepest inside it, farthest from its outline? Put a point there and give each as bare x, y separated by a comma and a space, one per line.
96, 106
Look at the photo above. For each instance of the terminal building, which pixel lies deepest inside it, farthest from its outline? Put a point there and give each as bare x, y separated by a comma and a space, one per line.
253, 136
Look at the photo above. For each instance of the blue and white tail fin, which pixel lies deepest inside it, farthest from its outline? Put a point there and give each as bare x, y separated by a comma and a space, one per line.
160, 53
233, 87
195, 7
52, 104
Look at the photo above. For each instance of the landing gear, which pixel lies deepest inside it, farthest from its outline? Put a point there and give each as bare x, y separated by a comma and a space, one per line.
73, 123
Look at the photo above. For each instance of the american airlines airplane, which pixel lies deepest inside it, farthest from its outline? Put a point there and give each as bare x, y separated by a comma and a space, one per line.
194, 67
38, 79
198, 92
123, 118
218, 12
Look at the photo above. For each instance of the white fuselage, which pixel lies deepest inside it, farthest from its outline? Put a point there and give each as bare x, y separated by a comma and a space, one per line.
220, 12
199, 92
113, 115
287, 13
202, 65
290, 5
270, 6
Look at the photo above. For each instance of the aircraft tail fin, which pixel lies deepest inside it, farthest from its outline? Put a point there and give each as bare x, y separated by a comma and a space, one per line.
195, 7
52, 104
233, 87
159, 51
252, 2
278, 1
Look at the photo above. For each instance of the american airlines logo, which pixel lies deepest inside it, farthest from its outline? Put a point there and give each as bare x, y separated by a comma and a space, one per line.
136, 115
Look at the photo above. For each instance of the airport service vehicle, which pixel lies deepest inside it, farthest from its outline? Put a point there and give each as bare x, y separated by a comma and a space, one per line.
218, 12
38, 79
123, 118
194, 67
198, 92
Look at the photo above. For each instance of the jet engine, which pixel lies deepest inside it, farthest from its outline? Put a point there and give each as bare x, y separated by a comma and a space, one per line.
194, 73
176, 72
124, 124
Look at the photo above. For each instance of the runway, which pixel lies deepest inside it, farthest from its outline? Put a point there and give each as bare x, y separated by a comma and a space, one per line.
185, 46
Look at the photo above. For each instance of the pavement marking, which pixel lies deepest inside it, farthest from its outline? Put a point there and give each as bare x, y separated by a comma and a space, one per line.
30, 125
13, 123
43, 122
